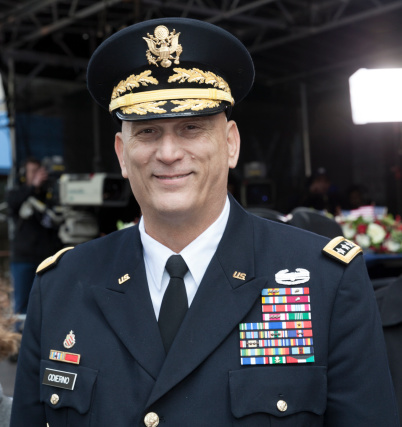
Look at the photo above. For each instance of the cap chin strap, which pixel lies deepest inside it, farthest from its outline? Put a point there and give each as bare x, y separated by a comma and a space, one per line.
169, 94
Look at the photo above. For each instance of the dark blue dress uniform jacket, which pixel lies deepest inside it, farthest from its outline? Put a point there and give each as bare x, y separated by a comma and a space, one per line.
124, 372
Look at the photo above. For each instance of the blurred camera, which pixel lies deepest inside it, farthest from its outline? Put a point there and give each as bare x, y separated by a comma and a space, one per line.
54, 167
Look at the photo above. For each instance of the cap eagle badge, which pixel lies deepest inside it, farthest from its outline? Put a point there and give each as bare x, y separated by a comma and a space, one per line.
163, 45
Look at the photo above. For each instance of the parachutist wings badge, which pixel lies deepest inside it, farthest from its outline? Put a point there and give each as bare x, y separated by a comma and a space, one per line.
163, 45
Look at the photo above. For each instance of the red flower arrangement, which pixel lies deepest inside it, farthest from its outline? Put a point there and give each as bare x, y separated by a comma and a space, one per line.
378, 234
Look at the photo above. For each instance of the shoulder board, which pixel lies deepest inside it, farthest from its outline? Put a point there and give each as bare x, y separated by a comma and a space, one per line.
52, 261
342, 249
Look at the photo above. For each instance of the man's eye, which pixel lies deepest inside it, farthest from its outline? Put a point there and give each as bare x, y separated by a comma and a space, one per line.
145, 131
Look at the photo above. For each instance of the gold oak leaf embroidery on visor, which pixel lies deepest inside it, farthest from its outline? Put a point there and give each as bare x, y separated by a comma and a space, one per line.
194, 99
196, 75
194, 104
144, 108
134, 81
132, 99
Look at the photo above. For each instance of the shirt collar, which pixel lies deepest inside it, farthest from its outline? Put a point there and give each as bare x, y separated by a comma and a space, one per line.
197, 254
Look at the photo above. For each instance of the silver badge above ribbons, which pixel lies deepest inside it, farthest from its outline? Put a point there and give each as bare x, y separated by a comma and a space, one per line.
291, 278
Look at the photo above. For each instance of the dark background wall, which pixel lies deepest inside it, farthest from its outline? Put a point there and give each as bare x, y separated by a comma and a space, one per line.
315, 44
270, 123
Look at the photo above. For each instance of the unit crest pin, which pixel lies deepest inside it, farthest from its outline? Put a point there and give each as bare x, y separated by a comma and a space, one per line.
70, 340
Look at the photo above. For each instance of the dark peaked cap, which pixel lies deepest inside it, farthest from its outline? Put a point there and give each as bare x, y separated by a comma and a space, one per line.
169, 67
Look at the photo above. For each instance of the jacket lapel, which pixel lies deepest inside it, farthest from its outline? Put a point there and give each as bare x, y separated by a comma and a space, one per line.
226, 294
127, 305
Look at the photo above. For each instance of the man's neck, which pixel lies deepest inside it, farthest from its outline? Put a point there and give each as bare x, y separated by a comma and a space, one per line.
178, 232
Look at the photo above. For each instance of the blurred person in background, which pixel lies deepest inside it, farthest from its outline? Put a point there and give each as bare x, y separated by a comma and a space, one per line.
322, 194
9, 343
355, 197
34, 234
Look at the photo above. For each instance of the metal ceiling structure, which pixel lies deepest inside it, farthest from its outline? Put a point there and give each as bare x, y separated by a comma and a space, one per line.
314, 41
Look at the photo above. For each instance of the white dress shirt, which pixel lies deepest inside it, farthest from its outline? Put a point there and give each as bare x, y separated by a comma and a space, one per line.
197, 256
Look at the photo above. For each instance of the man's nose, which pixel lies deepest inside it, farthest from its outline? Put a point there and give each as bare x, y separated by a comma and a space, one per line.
169, 149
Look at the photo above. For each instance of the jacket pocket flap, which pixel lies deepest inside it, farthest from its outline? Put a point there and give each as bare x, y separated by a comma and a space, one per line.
65, 385
278, 390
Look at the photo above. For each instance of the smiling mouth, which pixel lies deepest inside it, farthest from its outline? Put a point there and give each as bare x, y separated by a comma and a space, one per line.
166, 177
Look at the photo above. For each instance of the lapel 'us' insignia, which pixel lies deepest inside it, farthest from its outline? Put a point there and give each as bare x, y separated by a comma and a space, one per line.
240, 276
70, 340
285, 277
124, 279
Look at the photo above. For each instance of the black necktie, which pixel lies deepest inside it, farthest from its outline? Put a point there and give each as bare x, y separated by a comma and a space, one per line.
174, 303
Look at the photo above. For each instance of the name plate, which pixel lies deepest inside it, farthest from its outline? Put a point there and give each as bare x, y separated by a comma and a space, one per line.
61, 379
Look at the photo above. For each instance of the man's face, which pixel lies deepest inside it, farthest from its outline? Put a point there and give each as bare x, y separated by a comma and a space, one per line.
31, 169
178, 167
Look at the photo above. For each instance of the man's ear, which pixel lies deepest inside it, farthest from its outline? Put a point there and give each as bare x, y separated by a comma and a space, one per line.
119, 149
233, 140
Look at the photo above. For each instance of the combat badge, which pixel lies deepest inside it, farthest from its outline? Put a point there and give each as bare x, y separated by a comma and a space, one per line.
285, 335
291, 278
342, 249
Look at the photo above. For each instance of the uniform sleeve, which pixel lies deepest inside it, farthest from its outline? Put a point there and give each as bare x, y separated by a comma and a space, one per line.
360, 391
16, 197
27, 409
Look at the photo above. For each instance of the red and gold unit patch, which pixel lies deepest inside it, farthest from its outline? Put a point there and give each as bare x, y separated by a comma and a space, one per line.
285, 335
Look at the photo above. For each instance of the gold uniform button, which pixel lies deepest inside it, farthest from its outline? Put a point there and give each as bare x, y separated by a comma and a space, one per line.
151, 419
54, 399
282, 405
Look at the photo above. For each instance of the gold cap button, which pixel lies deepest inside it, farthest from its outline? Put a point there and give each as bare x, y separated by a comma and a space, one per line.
282, 405
151, 419
54, 399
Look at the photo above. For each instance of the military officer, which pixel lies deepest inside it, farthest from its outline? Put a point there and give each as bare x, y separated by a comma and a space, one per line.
202, 315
